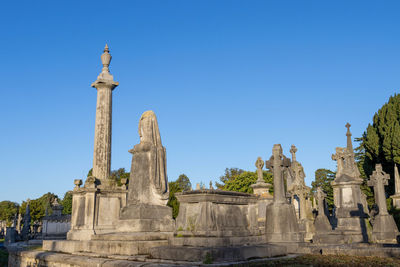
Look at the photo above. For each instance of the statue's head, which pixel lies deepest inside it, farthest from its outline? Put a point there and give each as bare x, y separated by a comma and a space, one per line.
148, 128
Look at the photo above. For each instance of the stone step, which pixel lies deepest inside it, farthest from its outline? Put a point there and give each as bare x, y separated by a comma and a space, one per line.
103, 247
217, 254
135, 236
216, 241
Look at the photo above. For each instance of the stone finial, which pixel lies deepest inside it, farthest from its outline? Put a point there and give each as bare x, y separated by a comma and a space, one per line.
105, 74
293, 151
77, 183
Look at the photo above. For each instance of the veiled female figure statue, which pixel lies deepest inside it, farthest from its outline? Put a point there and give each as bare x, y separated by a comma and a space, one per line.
148, 179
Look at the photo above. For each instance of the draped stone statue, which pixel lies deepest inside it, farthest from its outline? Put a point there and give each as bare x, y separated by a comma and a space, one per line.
146, 209
148, 178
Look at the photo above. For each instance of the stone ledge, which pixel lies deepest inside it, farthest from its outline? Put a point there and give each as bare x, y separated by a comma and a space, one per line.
218, 254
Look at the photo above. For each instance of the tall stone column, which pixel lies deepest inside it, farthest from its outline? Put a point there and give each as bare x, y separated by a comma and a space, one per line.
104, 84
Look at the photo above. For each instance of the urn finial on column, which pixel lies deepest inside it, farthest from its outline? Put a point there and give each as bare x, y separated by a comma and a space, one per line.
105, 60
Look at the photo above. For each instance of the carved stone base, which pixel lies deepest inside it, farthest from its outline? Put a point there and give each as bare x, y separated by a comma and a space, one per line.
281, 224
384, 229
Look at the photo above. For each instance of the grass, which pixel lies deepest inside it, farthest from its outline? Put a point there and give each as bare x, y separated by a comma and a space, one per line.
331, 261
3, 257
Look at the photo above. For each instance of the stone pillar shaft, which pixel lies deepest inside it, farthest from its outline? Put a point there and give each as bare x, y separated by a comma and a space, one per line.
102, 136
279, 190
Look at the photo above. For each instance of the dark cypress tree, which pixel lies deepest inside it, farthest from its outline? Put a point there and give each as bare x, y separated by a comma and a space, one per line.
381, 141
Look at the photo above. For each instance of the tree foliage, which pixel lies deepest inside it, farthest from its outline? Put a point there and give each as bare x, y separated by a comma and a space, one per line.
380, 143
38, 206
241, 181
180, 185
117, 175
67, 203
323, 179
230, 174
8, 211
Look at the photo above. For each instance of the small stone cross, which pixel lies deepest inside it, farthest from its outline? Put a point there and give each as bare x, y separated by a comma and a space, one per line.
348, 125
378, 180
320, 197
259, 165
293, 151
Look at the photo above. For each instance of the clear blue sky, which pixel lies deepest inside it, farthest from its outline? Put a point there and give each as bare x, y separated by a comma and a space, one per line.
226, 79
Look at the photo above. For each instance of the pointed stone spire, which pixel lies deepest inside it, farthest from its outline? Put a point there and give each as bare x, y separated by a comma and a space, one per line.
348, 134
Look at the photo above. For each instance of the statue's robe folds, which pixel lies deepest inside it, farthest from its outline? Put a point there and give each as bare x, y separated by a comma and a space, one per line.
148, 183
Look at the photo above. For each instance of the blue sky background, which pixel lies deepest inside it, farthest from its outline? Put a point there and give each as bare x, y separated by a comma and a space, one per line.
226, 79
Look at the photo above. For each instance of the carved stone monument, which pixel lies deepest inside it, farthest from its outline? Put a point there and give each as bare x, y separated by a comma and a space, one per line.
146, 208
300, 196
281, 222
261, 188
323, 228
56, 225
104, 84
96, 206
349, 200
384, 228
27, 223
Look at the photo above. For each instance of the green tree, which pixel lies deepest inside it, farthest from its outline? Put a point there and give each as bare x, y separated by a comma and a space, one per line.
117, 175
323, 179
180, 185
38, 206
8, 211
67, 203
380, 143
243, 181
230, 174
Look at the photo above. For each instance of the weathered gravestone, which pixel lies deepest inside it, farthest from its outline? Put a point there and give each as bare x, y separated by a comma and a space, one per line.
27, 223
384, 228
350, 201
281, 222
300, 196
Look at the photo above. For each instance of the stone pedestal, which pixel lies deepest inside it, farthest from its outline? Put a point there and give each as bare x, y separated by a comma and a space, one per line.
281, 224
215, 214
146, 218
95, 211
350, 209
384, 229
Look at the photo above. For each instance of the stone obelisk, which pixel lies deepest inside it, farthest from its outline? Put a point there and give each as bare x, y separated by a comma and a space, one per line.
104, 84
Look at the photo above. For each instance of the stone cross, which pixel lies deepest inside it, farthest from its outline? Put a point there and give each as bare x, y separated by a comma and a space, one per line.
378, 180
321, 198
260, 165
276, 163
339, 158
211, 186
348, 134
102, 138
293, 151
396, 180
